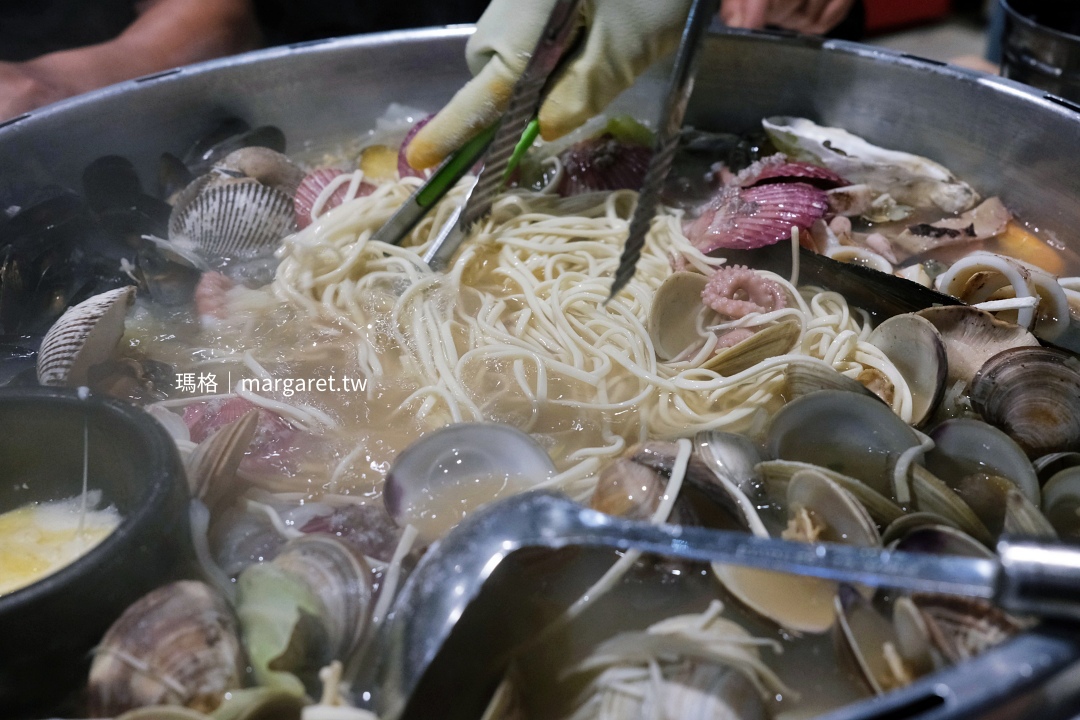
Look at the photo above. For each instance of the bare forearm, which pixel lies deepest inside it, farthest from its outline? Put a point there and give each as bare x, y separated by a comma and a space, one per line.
167, 34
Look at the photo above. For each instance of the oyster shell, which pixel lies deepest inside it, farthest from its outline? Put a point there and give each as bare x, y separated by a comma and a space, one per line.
907, 178
176, 646
85, 335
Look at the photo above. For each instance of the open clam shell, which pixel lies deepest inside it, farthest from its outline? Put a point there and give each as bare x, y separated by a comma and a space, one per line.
1061, 502
768, 342
212, 466
673, 315
965, 446
818, 510
915, 347
176, 646
874, 644
961, 628
1033, 394
85, 335
435, 481
853, 434
238, 220
775, 475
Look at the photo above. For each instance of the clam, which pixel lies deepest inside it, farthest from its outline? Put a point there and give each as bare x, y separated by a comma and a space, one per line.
803, 376
915, 347
729, 456
176, 646
964, 446
1061, 502
1050, 465
267, 166
961, 628
688, 666
875, 645
770, 341
935, 538
850, 433
909, 523
628, 489
435, 481
860, 256
972, 337
308, 606
934, 496
234, 221
260, 704
85, 335
818, 510
775, 474
674, 313
677, 326
211, 468
907, 178
721, 467
1033, 394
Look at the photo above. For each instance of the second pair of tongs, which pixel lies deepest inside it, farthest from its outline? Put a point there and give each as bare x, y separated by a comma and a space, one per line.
498, 145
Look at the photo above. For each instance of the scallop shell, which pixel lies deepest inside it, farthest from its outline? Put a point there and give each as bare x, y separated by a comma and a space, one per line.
85, 335
241, 219
603, 163
778, 168
749, 218
176, 646
312, 186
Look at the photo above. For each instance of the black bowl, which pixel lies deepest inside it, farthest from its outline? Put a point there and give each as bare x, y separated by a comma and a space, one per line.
48, 629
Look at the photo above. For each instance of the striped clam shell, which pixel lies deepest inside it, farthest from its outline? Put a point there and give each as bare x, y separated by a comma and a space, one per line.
178, 645
241, 219
85, 335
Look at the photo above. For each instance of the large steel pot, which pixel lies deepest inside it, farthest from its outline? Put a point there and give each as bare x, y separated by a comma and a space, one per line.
1003, 137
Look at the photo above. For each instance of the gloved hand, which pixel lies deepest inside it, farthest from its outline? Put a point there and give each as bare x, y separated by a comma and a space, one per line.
807, 16
623, 37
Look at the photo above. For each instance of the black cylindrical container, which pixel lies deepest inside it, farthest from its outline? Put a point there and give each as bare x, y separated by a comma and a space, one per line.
1042, 45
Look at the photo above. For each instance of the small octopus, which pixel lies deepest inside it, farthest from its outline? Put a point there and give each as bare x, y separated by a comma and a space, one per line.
738, 291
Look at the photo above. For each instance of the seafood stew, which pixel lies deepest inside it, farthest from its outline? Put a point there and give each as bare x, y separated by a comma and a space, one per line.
774, 491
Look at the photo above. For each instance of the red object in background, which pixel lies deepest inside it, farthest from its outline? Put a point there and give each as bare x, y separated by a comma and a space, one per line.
888, 14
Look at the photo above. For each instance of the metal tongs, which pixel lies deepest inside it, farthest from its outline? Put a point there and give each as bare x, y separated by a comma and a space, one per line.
498, 145
447, 639
502, 144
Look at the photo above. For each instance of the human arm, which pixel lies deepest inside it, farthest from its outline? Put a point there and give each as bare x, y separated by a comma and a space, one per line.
807, 16
167, 33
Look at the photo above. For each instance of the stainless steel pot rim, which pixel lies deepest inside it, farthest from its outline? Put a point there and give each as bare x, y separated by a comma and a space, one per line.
398, 37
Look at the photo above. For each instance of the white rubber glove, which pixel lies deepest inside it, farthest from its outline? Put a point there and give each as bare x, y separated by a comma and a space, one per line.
623, 37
